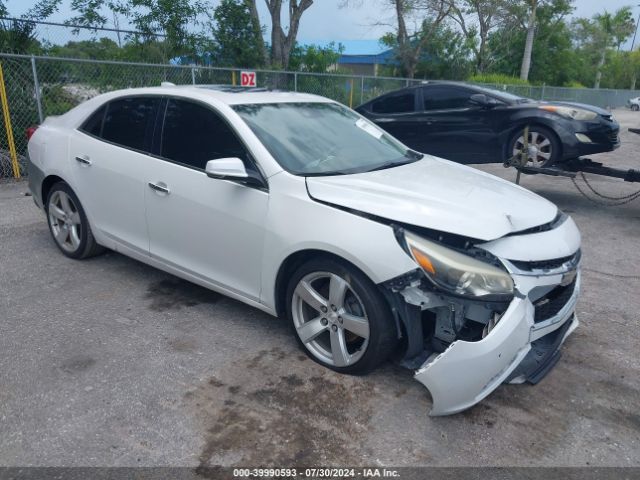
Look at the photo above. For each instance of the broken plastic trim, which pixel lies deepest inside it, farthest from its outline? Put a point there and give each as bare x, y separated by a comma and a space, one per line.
556, 222
411, 295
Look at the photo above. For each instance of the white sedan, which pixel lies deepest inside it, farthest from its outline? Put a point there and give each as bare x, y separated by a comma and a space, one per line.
302, 208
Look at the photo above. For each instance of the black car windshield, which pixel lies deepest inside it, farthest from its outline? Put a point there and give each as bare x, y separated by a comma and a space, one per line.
505, 96
313, 139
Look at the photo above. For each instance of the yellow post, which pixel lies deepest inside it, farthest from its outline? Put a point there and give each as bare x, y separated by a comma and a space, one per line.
7, 125
351, 95
233, 78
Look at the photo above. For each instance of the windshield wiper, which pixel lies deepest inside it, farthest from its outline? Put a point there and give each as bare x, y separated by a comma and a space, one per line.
392, 164
411, 155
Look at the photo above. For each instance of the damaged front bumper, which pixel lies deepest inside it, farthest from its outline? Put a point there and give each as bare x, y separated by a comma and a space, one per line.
466, 372
462, 349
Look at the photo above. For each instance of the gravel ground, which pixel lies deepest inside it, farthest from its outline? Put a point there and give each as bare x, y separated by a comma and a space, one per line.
108, 362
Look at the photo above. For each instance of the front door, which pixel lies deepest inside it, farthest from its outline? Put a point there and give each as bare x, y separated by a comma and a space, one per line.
455, 128
209, 228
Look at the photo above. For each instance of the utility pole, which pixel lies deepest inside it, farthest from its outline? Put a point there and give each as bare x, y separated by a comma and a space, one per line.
633, 44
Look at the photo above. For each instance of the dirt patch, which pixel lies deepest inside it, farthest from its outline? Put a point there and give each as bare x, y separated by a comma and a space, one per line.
174, 293
77, 364
267, 412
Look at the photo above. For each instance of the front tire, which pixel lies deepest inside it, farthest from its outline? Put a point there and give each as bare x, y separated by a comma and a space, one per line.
339, 317
544, 146
635, 107
68, 223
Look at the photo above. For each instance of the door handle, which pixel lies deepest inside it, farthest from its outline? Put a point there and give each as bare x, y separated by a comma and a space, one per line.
159, 187
83, 159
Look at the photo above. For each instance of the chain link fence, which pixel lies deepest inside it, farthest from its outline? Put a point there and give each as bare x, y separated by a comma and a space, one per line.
38, 87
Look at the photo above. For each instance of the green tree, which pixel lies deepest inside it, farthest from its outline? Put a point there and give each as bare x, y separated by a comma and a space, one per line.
173, 19
237, 43
18, 36
447, 54
314, 58
477, 19
602, 32
552, 45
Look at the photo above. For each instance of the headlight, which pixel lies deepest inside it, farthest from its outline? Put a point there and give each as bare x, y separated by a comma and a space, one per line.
455, 272
570, 112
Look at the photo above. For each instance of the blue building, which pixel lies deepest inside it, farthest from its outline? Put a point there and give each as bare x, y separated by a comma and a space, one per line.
366, 64
363, 57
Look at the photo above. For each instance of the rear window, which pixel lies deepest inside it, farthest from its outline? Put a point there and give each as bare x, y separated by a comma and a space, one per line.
93, 125
129, 121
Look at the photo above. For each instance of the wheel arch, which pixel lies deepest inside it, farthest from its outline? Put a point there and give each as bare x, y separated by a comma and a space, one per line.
292, 262
48, 182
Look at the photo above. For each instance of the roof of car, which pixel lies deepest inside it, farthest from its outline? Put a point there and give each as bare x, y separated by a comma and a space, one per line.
229, 94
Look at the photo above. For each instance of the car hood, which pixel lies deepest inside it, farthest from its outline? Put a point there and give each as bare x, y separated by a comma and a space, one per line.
584, 106
440, 195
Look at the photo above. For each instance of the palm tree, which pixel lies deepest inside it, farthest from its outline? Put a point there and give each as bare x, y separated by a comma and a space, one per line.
528, 46
610, 31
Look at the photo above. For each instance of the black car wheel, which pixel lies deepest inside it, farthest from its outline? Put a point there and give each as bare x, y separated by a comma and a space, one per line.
543, 146
635, 107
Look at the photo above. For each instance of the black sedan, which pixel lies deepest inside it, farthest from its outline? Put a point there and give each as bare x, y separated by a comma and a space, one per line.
472, 124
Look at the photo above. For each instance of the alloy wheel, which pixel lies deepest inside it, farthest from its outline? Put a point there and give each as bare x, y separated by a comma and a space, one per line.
65, 221
330, 319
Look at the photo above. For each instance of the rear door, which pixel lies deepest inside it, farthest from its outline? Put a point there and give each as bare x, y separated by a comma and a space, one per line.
454, 128
396, 114
210, 228
110, 157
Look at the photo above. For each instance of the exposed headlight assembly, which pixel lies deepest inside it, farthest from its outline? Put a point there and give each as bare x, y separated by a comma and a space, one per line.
570, 112
458, 273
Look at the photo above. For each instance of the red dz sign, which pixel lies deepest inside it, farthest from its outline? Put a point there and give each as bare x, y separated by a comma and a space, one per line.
248, 79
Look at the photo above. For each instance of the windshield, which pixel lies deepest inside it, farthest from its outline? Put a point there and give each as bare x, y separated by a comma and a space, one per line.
506, 96
323, 138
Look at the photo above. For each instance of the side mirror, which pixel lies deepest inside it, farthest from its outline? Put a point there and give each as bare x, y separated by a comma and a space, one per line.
227, 168
483, 100
233, 169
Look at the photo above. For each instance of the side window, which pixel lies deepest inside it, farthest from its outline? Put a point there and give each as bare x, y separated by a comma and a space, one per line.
194, 134
129, 121
442, 97
93, 125
396, 103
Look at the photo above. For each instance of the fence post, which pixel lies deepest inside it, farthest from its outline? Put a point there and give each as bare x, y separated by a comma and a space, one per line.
15, 166
36, 85
193, 76
351, 93
542, 93
361, 90
295, 82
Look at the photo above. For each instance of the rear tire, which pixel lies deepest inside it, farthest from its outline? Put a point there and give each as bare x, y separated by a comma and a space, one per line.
68, 223
635, 108
339, 317
544, 146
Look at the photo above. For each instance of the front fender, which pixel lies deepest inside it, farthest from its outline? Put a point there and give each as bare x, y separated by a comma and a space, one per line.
295, 223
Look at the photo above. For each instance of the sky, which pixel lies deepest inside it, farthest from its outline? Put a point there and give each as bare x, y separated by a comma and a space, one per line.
325, 21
